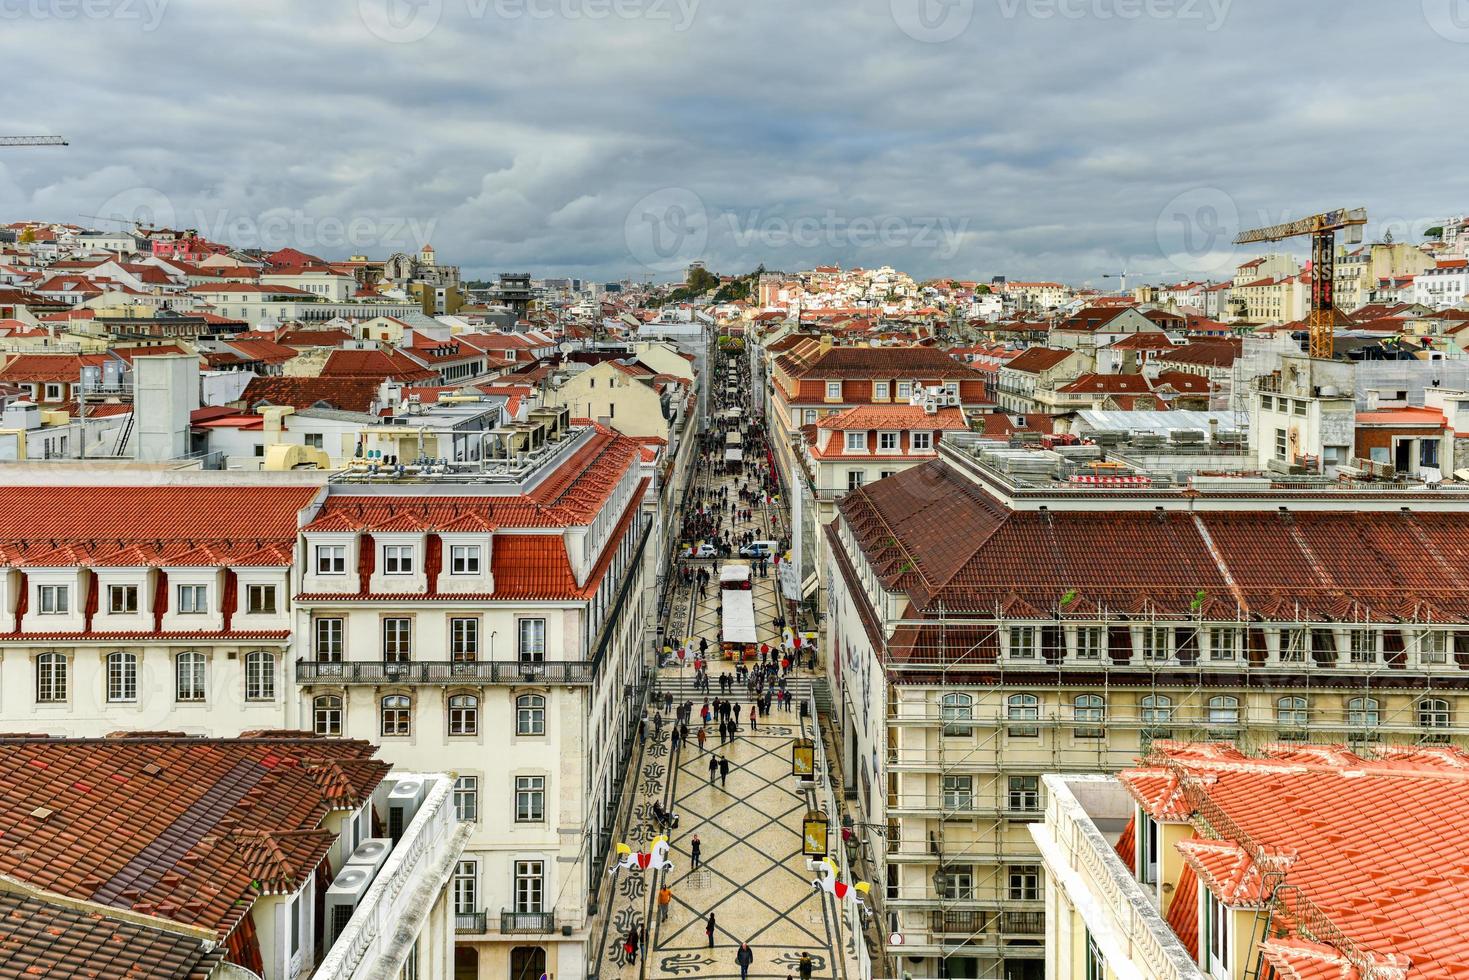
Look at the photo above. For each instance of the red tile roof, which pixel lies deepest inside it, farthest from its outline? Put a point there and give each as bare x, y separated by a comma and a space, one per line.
869, 417
345, 394
1035, 359
378, 364
178, 828
1375, 845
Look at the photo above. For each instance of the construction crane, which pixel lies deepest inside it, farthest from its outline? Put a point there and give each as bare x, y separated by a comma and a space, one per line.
33, 141
1324, 317
1124, 274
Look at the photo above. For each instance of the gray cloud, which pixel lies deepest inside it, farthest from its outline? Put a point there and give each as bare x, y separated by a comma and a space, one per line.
1064, 138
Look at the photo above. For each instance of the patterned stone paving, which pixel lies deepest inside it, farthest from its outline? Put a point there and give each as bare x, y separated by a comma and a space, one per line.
754, 878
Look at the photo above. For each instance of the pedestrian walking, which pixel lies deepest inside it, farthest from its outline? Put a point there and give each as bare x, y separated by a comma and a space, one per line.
713, 768
657, 725
630, 945
642, 729
677, 735
754, 718
665, 898
805, 967
703, 736
709, 931
696, 846
737, 716
723, 772
743, 958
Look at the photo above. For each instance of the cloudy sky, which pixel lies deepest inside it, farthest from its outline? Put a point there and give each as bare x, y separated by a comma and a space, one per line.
607, 138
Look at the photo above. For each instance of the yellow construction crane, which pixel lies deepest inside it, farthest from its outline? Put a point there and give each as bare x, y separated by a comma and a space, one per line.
1323, 318
33, 141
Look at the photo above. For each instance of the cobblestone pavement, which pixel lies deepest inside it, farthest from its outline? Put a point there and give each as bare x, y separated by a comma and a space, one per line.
753, 877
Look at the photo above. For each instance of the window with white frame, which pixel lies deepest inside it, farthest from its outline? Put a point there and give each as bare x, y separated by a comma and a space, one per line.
1156, 640
1022, 642
1156, 709
463, 639
1022, 708
260, 676
956, 882
1096, 963
397, 715
1091, 642
1362, 646
834, 390
1216, 930
880, 391
1025, 794
189, 668
193, 599
1295, 645
530, 714
331, 559
1433, 646
1433, 713
464, 559
810, 416
532, 648
1292, 713
956, 710
122, 599
920, 441
397, 639
1362, 713
530, 799
855, 479
1090, 710
122, 677
55, 600
330, 639
326, 715
463, 714
51, 677
905, 390
466, 888
529, 886
1223, 710
466, 798
958, 792
397, 559
887, 442
1223, 644
1025, 883
856, 442
260, 600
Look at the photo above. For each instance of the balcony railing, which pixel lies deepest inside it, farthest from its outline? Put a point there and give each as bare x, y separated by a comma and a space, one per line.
430, 672
471, 922
527, 922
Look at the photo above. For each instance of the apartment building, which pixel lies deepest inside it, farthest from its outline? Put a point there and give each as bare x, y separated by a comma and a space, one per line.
1358, 273
1292, 861
263, 856
440, 612
456, 620
998, 614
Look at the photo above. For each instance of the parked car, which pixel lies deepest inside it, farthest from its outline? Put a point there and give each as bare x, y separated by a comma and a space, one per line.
758, 549
705, 550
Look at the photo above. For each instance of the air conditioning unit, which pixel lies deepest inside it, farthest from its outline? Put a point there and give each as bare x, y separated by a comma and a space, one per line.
343, 897
404, 799
371, 854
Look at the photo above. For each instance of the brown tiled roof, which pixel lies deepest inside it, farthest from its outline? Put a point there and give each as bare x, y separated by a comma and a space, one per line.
1214, 352
878, 362
345, 394
376, 364
1034, 359
167, 826
40, 939
940, 538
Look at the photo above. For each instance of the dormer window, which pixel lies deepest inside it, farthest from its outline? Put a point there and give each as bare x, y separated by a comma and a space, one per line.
887, 442
834, 390
397, 559
880, 391
122, 599
464, 559
193, 599
331, 559
55, 600
856, 442
260, 600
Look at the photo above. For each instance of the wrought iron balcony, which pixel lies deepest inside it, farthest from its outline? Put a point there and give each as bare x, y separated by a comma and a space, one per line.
443, 672
471, 922
527, 922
